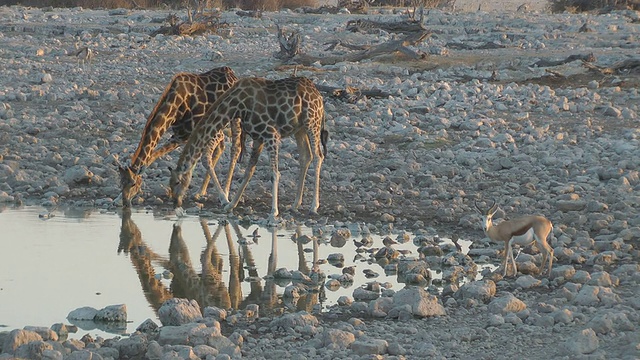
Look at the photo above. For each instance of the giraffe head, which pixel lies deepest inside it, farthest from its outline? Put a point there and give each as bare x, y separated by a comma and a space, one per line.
178, 184
130, 182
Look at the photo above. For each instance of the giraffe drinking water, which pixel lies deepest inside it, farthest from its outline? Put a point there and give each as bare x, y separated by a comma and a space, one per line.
268, 111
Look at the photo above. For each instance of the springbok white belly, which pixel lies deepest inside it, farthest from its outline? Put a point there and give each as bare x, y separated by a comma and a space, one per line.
524, 239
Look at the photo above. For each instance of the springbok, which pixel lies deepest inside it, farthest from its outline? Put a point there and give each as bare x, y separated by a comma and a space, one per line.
521, 231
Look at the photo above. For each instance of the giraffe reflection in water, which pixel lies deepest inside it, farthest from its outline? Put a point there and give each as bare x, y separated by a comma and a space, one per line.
208, 287
142, 257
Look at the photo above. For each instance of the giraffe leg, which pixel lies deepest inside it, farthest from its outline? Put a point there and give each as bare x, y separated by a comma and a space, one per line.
304, 160
319, 158
236, 150
167, 148
255, 155
209, 160
275, 176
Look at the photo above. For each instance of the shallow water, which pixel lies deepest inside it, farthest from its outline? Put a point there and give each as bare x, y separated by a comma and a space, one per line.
53, 263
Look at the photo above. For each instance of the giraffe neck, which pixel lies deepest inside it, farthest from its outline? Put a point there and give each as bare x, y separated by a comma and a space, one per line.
148, 143
157, 124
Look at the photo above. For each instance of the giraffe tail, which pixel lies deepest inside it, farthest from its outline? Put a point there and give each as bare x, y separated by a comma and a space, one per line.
324, 137
243, 137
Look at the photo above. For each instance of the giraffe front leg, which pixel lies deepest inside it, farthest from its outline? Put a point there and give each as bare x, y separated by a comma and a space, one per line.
210, 159
255, 155
180, 212
237, 146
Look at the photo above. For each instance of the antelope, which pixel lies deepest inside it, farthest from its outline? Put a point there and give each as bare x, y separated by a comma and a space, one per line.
521, 231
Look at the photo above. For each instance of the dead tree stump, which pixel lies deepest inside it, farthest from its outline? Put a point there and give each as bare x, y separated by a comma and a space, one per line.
289, 45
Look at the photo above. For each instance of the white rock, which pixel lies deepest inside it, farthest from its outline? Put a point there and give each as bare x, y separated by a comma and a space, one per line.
584, 342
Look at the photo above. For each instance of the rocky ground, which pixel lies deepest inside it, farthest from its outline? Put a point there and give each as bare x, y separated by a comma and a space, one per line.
471, 121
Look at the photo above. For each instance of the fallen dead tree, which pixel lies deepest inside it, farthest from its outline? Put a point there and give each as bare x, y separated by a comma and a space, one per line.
589, 58
485, 46
349, 94
367, 26
616, 68
390, 47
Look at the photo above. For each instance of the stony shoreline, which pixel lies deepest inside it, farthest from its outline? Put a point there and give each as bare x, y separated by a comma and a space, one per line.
463, 125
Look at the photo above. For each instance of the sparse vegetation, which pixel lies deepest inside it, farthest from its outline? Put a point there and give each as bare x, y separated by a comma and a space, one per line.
427, 4
578, 6
264, 5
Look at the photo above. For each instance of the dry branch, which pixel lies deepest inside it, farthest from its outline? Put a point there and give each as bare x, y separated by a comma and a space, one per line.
249, 13
626, 65
352, 94
485, 46
555, 73
334, 43
548, 63
387, 48
362, 25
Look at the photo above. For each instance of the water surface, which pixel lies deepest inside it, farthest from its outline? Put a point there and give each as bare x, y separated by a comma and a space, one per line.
54, 262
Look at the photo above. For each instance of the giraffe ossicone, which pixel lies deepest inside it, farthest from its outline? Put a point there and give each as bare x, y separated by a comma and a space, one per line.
268, 110
184, 102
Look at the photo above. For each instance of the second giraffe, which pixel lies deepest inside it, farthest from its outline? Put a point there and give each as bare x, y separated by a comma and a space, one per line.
185, 101
268, 111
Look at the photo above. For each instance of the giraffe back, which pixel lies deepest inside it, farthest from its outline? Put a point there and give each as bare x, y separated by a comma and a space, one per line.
288, 104
284, 105
209, 87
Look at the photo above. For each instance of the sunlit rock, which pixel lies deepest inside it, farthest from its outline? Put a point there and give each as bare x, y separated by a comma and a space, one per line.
179, 311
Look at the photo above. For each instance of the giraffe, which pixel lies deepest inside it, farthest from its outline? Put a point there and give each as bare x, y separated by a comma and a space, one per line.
268, 110
184, 102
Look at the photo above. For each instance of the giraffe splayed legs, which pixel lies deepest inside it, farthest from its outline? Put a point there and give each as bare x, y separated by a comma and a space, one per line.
182, 105
268, 111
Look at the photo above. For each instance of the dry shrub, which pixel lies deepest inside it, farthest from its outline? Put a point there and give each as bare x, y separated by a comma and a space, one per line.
427, 4
579, 6
273, 5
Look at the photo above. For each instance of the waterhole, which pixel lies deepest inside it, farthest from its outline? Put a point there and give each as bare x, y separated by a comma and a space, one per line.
55, 261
